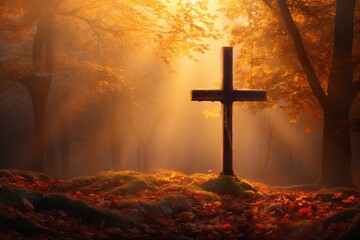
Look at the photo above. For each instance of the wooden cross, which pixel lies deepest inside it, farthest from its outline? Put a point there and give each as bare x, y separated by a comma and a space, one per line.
227, 95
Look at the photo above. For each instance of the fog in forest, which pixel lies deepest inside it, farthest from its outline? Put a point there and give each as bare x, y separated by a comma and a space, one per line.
159, 127
162, 128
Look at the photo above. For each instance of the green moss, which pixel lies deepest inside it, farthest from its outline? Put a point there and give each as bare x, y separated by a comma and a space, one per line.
87, 213
177, 202
25, 226
115, 177
9, 197
228, 185
340, 216
196, 189
154, 209
13, 196
30, 176
246, 185
167, 205
276, 209
141, 208
74, 183
151, 180
103, 179
131, 188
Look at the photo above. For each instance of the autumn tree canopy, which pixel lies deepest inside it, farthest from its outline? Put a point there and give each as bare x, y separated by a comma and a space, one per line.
267, 56
304, 54
95, 43
110, 31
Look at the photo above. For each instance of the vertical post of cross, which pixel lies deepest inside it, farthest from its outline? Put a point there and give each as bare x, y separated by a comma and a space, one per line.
227, 95
227, 108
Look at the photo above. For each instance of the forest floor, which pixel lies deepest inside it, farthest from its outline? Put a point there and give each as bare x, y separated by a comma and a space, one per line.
170, 205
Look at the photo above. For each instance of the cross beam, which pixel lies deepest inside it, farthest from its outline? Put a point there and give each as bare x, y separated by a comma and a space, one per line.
227, 95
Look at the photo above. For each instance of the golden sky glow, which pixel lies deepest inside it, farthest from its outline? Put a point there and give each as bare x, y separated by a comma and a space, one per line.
193, 1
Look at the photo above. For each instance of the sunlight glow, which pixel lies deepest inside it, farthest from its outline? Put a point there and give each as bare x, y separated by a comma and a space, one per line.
214, 112
193, 1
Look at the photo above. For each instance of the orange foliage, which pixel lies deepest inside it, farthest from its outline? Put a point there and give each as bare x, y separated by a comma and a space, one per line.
267, 58
107, 33
99, 46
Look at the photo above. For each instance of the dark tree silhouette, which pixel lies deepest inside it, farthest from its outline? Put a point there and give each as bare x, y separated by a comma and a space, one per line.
341, 92
38, 81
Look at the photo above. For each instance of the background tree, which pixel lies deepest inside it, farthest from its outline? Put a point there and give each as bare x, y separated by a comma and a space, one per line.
302, 52
96, 44
36, 79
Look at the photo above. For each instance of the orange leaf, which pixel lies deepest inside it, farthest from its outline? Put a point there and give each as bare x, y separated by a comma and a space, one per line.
349, 199
260, 225
337, 195
305, 211
224, 226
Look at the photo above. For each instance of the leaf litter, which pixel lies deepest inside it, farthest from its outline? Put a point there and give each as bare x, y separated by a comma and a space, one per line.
170, 205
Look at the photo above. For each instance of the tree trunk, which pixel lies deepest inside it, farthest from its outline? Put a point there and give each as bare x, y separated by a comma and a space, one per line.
336, 149
268, 146
38, 86
115, 131
64, 130
115, 145
65, 153
336, 164
38, 89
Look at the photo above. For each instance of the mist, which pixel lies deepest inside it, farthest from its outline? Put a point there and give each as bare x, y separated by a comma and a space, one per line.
156, 124
161, 128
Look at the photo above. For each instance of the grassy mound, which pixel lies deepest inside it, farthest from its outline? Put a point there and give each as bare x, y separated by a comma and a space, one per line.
12, 198
230, 185
170, 205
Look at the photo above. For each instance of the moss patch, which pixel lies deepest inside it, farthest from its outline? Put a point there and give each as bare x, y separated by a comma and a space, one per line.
228, 185
130, 188
29, 176
11, 196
